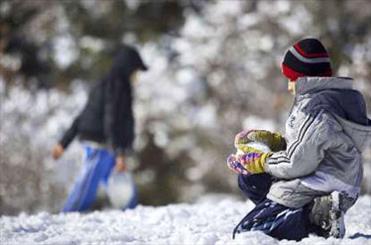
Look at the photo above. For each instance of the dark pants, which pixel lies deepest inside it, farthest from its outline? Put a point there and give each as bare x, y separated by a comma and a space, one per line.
270, 217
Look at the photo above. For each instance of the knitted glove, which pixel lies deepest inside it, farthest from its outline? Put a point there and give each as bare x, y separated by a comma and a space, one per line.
275, 141
254, 162
234, 165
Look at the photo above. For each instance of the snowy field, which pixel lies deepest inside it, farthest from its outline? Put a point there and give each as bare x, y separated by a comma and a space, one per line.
206, 222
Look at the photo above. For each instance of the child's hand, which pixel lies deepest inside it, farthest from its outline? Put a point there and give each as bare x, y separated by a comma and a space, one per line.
234, 165
242, 138
274, 141
254, 162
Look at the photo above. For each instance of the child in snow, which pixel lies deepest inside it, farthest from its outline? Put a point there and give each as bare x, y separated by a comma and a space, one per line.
106, 127
308, 186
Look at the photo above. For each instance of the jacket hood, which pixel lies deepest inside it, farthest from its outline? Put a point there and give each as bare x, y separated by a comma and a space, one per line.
360, 134
125, 62
336, 95
313, 84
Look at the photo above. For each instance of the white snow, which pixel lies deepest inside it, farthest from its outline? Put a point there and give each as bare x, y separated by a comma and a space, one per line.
209, 221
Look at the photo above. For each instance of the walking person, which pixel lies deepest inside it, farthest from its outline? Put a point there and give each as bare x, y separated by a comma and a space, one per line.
106, 129
307, 186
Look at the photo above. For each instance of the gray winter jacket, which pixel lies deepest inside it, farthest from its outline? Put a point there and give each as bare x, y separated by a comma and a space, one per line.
326, 132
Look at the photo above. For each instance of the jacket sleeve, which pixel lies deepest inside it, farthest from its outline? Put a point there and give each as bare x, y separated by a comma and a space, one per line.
304, 154
70, 134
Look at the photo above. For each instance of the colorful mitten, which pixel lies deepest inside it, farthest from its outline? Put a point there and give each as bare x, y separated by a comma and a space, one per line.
234, 165
254, 162
275, 141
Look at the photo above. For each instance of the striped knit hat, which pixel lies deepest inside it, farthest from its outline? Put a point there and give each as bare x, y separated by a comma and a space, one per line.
308, 57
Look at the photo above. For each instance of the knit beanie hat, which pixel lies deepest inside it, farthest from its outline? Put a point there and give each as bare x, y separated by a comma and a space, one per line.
308, 57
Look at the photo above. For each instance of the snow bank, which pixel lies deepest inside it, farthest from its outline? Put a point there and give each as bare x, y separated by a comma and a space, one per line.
200, 223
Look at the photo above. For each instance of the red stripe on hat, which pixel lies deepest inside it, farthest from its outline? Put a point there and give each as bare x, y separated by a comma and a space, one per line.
290, 73
294, 75
306, 55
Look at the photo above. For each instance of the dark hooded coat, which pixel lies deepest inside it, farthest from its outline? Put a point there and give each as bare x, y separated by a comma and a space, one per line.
107, 117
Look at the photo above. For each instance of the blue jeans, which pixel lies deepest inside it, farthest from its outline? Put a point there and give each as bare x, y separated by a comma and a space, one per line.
97, 167
270, 217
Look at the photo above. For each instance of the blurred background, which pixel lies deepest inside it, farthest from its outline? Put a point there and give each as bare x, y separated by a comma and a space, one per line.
214, 70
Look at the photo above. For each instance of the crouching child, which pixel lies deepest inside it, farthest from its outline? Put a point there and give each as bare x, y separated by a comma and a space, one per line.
310, 178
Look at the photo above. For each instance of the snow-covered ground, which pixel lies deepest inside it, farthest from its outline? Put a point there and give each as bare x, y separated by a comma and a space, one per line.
206, 222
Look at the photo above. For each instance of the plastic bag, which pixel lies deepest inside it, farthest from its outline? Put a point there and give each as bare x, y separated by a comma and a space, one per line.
121, 189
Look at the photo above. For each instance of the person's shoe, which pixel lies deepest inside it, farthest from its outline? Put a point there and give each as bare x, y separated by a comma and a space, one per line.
328, 213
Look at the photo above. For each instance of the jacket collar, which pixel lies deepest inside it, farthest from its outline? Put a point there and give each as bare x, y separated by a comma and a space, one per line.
312, 84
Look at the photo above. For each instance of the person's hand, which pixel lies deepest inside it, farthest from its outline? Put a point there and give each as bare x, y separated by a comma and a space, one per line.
234, 165
57, 151
254, 162
120, 164
275, 141
243, 137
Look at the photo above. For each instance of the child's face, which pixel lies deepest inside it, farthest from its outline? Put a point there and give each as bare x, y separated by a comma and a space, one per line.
291, 87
